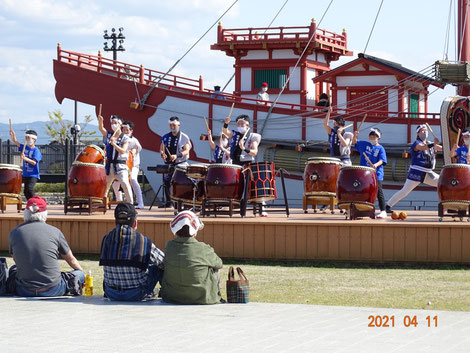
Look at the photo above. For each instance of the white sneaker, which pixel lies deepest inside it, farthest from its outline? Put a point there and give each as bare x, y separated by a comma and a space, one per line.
264, 214
382, 215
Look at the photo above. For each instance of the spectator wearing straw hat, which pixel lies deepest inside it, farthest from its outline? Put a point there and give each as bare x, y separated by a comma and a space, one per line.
191, 267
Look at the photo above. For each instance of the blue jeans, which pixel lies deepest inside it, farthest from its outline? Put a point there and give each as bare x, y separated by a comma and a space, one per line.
55, 291
154, 275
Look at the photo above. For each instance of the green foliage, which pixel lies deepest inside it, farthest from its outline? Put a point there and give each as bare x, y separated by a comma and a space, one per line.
58, 129
49, 187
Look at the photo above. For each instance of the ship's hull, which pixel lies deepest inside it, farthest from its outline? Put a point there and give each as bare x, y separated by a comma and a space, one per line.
284, 124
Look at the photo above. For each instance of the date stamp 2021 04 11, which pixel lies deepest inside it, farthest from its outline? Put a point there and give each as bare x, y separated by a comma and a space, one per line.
405, 321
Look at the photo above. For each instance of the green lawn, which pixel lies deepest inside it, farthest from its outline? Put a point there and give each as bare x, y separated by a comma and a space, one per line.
446, 287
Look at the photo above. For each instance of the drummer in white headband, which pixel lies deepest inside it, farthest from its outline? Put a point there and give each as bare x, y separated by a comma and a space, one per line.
175, 147
461, 153
31, 157
423, 161
377, 156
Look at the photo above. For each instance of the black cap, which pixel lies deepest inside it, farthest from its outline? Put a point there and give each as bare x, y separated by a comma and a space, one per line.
124, 213
217, 88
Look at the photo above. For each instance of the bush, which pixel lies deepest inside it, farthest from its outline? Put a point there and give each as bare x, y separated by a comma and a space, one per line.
50, 187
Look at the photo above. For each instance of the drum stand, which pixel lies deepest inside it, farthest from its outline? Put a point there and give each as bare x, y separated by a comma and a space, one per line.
461, 212
356, 212
85, 204
6, 199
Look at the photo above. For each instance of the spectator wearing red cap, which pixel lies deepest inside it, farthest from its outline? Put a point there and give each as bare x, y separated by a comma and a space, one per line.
263, 95
132, 264
35, 247
191, 267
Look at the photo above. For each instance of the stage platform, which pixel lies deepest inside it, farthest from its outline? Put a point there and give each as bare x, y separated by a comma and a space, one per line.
421, 238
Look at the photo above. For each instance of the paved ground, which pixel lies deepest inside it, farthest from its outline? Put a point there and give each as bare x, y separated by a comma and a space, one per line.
93, 324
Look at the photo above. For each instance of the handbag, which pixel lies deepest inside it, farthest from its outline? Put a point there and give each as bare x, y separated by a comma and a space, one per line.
237, 290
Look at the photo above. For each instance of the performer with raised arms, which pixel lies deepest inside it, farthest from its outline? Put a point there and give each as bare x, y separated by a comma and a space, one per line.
340, 141
221, 150
174, 149
117, 154
423, 161
31, 157
461, 153
244, 145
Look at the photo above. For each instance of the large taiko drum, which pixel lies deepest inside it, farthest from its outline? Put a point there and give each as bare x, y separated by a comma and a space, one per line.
356, 185
10, 179
196, 171
453, 187
87, 180
224, 182
320, 176
91, 154
181, 187
262, 186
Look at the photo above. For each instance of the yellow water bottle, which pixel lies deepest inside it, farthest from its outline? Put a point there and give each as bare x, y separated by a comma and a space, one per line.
88, 284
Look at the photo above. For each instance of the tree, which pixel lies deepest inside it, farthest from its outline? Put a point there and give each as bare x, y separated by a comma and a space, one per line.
59, 129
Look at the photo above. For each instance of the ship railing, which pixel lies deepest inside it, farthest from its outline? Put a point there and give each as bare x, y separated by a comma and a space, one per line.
281, 33
126, 71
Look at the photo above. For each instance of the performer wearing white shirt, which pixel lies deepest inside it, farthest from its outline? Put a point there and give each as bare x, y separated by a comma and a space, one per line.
134, 148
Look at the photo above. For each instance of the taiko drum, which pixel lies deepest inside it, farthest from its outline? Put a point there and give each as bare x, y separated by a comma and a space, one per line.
224, 182
91, 154
453, 187
182, 188
87, 180
10, 179
320, 176
356, 185
262, 186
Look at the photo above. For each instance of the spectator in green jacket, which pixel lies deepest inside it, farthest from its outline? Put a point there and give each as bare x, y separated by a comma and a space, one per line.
191, 267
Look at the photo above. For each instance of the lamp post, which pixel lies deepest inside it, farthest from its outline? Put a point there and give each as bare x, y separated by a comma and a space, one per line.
114, 40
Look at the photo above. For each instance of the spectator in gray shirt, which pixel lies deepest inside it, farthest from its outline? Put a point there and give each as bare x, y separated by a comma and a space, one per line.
35, 247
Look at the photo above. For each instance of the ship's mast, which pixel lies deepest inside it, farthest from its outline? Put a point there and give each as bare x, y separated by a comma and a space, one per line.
463, 44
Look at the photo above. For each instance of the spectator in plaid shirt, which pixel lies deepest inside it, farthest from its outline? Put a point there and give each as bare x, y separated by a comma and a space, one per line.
132, 263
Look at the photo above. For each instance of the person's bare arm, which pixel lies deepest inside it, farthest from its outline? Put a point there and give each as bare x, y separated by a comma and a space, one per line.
453, 151
186, 149
13, 138
211, 141
226, 131
72, 261
326, 122
103, 131
121, 149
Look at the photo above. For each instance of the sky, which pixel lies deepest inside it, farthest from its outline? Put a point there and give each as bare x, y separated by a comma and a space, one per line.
158, 33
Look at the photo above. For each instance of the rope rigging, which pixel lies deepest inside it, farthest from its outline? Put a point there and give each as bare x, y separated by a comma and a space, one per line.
373, 26
145, 97
293, 70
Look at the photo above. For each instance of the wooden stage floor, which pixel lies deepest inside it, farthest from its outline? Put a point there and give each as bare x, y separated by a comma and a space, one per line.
421, 238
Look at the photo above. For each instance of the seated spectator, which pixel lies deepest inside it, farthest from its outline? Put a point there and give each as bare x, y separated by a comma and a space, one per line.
35, 247
191, 267
132, 263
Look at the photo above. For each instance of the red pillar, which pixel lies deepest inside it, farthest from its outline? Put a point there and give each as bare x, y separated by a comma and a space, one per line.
463, 40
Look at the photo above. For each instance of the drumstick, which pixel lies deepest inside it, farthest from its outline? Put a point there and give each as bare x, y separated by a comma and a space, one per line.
230, 112
246, 132
347, 126
10, 123
368, 160
207, 125
430, 130
24, 146
169, 153
362, 122
99, 111
458, 137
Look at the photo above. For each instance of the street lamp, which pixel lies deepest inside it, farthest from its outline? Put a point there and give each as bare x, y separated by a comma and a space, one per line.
114, 40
